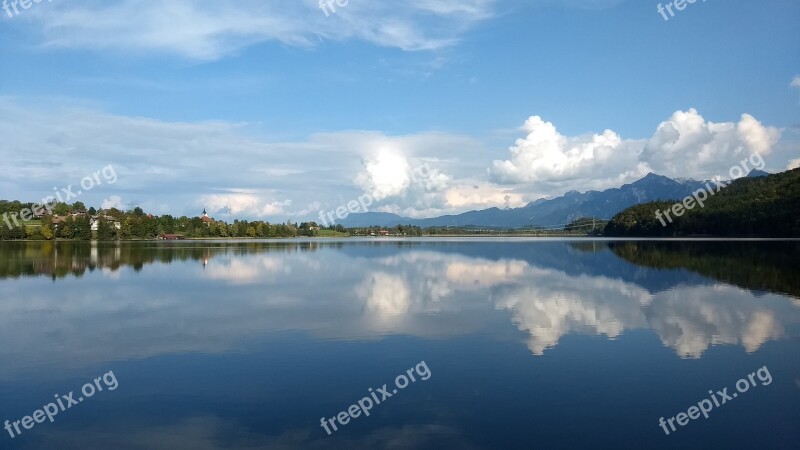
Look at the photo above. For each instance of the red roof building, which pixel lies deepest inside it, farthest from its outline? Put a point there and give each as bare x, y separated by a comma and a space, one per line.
205, 217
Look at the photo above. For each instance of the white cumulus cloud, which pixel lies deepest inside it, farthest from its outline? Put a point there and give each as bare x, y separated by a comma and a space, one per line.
688, 145
685, 145
546, 155
114, 201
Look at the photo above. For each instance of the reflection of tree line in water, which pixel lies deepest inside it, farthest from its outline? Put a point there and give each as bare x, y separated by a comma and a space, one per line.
769, 266
64, 258
766, 265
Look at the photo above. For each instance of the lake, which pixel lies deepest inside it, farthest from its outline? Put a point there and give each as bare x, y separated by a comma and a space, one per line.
481, 343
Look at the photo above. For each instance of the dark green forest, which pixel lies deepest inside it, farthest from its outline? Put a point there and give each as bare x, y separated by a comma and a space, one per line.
767, 266
759, 207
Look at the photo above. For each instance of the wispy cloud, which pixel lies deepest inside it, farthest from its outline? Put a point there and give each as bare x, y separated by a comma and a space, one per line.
179, 167
209, 29
227, 167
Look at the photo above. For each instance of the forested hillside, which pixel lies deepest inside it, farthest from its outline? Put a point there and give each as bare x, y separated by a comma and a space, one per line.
765, 206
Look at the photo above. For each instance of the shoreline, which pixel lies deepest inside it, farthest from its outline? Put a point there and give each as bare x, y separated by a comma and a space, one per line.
425, 238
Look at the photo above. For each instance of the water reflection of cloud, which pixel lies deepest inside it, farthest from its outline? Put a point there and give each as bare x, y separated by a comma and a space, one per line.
385, 294
688, 320
416, 292
484, 273
692, 319
111, 274
549, 304
246, 270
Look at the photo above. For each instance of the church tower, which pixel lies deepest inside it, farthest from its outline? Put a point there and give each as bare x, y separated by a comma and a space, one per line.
204, 217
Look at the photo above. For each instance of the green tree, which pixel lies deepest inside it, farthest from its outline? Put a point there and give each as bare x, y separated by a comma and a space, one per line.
47, 232
61, 209
67, 229
105, 230
83, 228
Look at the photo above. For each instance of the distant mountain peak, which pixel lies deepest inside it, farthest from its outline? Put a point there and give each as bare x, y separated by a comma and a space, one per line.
755, 173
551, 211
654, 177
536, 202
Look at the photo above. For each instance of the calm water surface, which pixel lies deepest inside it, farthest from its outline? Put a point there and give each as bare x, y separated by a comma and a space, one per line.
527, 344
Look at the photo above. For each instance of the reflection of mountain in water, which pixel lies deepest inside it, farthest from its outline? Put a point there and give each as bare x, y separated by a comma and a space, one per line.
575, 259
756, 265
215, 295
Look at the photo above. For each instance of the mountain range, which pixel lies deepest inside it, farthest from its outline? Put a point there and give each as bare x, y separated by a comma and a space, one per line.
550, 213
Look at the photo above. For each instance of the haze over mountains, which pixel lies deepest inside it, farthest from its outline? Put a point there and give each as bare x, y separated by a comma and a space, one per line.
550, 213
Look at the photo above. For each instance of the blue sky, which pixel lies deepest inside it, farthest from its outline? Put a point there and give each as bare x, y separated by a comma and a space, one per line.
270, 109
